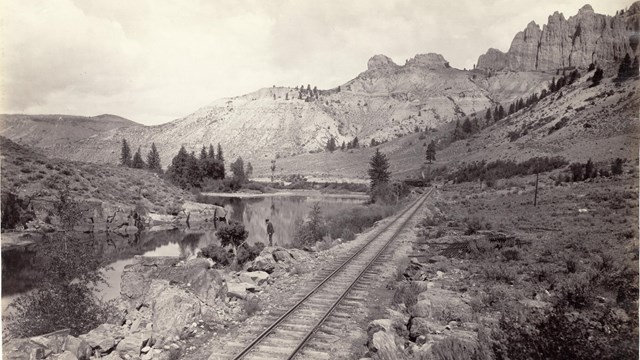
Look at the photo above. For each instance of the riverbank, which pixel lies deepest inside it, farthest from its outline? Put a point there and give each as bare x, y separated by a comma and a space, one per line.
304, 193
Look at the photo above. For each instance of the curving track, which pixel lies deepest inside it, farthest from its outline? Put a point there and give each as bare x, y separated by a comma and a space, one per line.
299, 331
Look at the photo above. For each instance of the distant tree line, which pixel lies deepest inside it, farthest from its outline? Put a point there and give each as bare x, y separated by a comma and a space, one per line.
503, 169
588, 170
188, 171
136, 162
332, 145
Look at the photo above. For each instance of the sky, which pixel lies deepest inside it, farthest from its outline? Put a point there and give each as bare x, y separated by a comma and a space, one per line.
156, 61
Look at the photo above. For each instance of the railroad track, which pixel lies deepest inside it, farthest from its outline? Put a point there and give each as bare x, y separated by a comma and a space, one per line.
305, 329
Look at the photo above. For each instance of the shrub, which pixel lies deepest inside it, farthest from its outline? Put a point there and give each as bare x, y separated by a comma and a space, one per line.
65, 297
511, 254
218, 254
248, 252
251, 306
473, 225
313, 230
452, 348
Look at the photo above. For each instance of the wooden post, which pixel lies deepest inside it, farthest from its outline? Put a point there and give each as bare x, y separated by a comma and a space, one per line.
535, 197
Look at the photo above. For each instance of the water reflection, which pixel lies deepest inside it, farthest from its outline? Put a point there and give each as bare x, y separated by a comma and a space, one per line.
22, 267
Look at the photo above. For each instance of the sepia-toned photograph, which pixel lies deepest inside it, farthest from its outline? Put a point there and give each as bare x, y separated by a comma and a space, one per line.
319, 180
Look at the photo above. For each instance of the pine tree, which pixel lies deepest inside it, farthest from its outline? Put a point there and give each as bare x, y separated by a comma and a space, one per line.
355, 144
220, 154
552, 87
249, 170
137, 161
431, 151
343, 146
624, 71
125, 154
212, 152
588, 169
153, 159
597, 77
379, 170
237, 168
331, 144
177, 171
203, 153
487, 116
467, 128
501, 113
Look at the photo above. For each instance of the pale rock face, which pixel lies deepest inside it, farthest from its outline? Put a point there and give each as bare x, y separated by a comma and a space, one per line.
430, 61
578, 41
380, 62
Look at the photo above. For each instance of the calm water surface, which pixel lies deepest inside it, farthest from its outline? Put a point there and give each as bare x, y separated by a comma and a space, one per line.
18, 265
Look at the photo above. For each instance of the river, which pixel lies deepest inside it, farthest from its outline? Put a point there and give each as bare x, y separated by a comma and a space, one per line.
19, 265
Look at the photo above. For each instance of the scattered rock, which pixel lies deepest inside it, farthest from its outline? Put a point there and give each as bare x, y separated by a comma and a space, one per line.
78, 347
104, 338
254, 277
174, 309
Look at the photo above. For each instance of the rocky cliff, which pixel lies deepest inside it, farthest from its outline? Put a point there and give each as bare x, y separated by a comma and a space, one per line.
578, 41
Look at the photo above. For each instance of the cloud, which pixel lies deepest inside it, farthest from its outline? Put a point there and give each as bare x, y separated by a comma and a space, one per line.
156, 61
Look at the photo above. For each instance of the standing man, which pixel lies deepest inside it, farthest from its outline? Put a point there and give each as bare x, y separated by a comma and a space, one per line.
270, 232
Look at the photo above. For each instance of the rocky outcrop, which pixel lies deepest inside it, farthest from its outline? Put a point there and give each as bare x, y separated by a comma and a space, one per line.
378, 62
274, 258
429, 61
578, 41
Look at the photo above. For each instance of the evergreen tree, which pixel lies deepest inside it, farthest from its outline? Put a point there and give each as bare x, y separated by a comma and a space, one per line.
597, 77
589, 169
616, 167
193, 172
177, 171
624, 71
212, 152
496, 116
467, 127
635, 67
355, 144
203, 153
237, 167
220, 154
431, 151
343, 146
249, 170
591, 67
552, 87
379, 170
331, 144
501, 113
487, 116
125, 153
153, 159
137, 161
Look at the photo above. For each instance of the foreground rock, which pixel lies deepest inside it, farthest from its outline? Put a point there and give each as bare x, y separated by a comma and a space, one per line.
274, 258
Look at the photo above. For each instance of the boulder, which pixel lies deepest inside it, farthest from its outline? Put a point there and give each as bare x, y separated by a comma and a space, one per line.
254, 277
423, 327
264, 263
384, 344
22, 349
66, 355
77, 347
133, 343
195, 275
104, 338
173, 309
238, 290
442, 302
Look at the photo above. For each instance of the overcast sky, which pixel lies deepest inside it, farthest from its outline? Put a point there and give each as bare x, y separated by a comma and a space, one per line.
156, 61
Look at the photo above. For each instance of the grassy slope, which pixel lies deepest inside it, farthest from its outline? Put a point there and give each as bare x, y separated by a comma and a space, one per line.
30, 174
610, 109
581, 250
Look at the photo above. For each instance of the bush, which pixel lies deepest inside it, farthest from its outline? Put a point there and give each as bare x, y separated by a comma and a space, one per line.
218, 254
251, 306
355, 220
248, 252
473, 225
511, 254
65, 296
313, 230
452, 348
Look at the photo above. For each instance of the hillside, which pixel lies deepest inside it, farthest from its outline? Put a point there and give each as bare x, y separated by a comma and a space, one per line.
594, 122
383, 102
31, 175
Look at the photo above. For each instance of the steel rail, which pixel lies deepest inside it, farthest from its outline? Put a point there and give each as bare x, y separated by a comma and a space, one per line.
354, 282
293, 308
